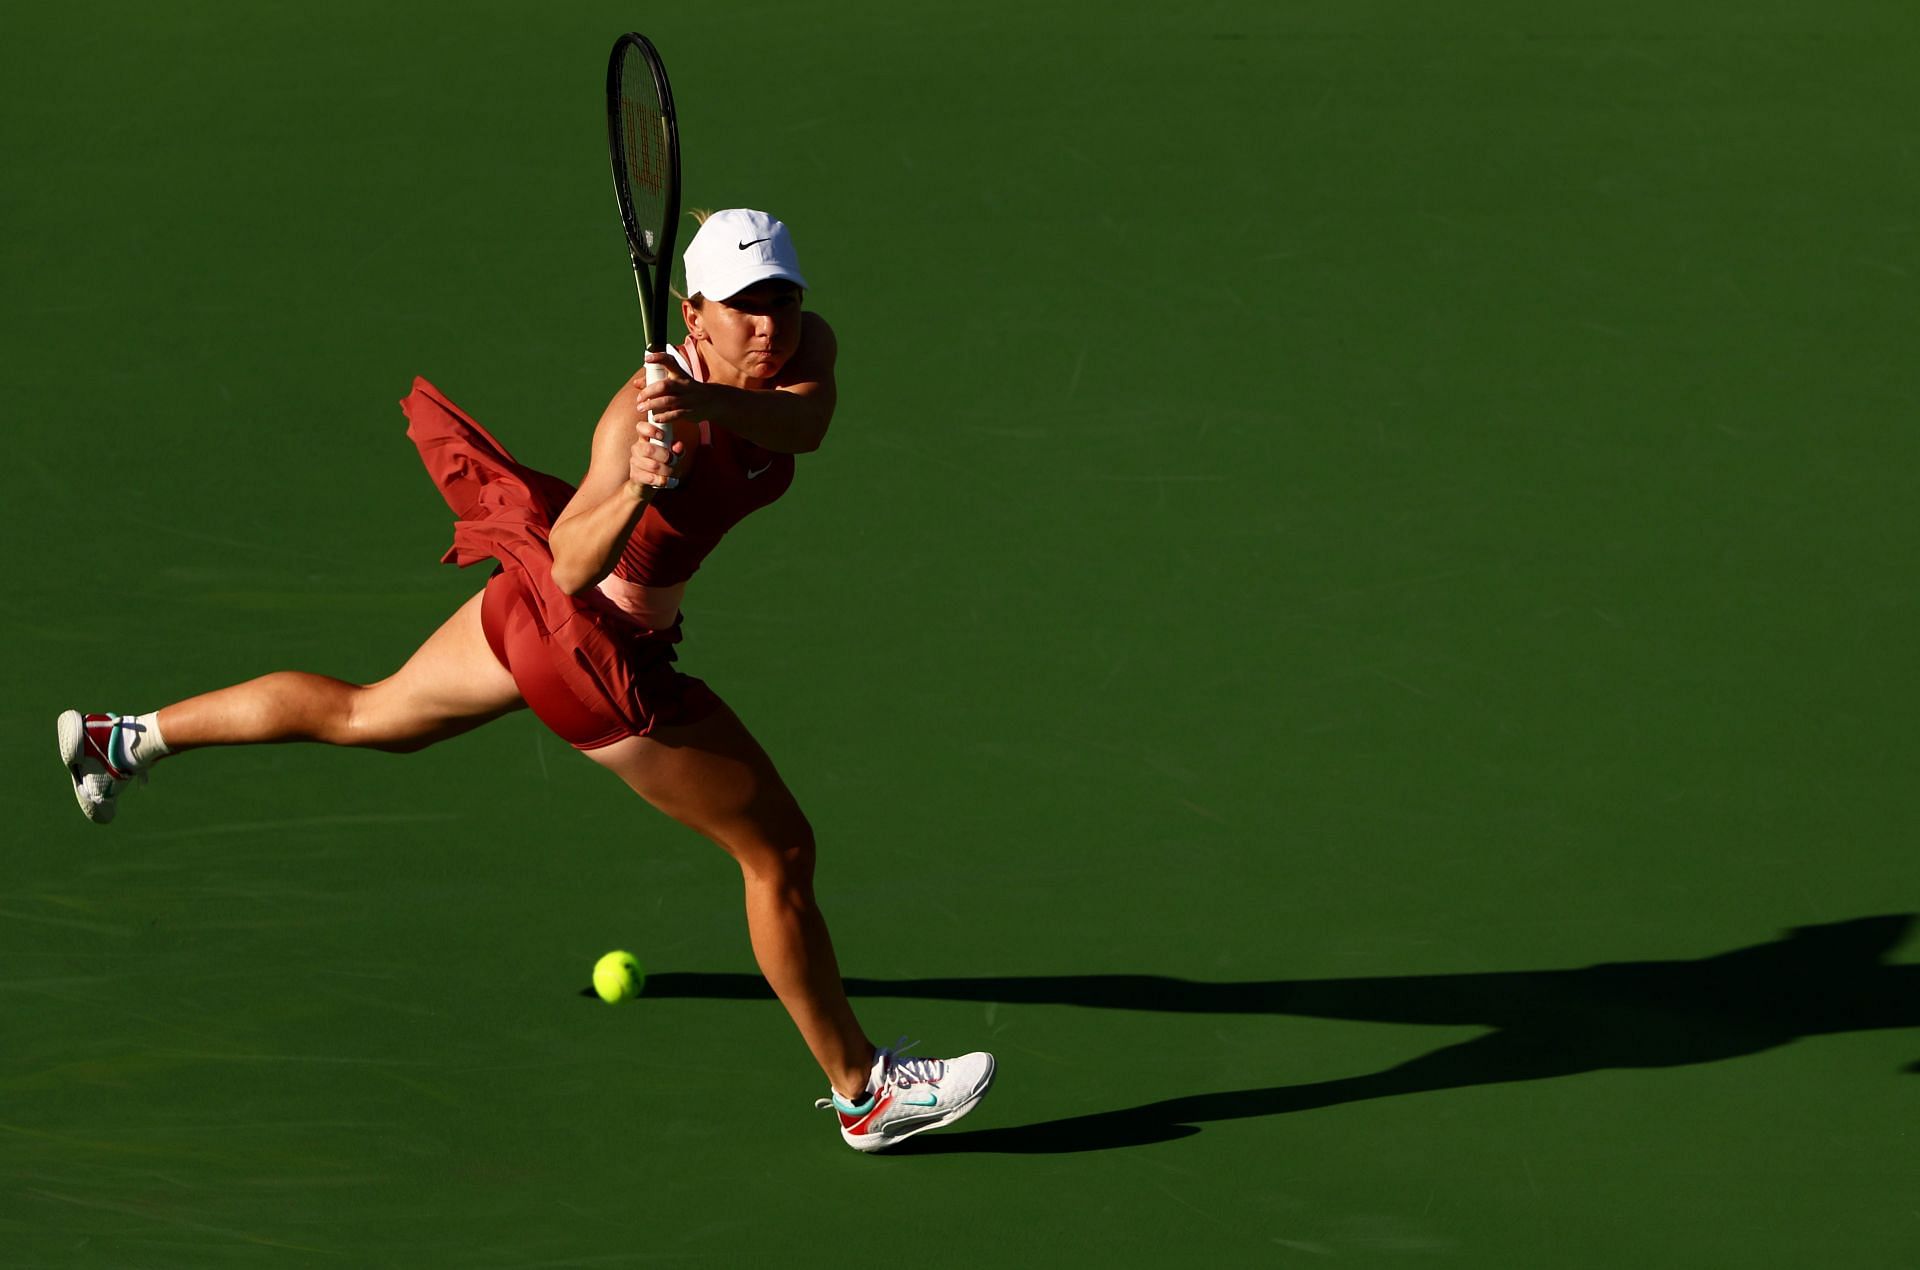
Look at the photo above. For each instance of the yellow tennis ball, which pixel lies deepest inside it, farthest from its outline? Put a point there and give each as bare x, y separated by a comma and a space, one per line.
617, 976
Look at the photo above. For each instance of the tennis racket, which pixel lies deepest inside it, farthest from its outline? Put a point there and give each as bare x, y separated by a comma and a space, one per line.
644, 144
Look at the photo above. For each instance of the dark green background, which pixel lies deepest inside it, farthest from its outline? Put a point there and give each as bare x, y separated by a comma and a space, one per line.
1320, 492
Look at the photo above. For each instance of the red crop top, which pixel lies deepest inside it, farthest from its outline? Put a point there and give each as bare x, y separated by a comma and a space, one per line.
731, 477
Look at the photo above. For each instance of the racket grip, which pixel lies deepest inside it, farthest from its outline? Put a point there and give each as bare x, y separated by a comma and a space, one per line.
656, 373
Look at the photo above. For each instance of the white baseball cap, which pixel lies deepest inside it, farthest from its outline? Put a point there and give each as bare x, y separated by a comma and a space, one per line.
737, 248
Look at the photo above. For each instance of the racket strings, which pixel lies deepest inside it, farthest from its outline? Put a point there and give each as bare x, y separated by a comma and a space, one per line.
644, 145
645, 148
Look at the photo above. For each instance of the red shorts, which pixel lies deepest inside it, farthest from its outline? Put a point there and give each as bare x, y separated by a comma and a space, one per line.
584, 710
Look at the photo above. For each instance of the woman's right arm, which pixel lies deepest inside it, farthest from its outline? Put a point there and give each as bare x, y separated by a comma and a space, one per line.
622, 477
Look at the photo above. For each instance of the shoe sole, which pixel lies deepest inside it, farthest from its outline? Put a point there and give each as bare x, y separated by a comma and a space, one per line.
71, 728
886, 1139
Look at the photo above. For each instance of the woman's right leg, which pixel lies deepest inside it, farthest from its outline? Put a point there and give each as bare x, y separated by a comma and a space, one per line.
451, 684
713, 777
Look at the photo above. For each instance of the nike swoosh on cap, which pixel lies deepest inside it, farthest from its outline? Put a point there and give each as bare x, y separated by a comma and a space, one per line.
744, 246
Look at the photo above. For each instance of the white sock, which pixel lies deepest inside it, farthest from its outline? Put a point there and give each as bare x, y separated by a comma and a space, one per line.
144, 742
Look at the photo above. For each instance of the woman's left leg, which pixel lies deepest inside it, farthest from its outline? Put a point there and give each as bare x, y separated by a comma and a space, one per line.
713, 777
451, 684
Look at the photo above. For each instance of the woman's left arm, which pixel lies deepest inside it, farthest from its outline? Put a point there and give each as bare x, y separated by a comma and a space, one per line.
789, 418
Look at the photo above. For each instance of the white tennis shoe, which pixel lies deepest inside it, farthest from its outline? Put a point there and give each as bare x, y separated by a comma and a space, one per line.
98, 750
905, 1096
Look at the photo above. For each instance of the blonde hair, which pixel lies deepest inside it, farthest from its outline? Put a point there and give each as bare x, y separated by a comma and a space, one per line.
699, 215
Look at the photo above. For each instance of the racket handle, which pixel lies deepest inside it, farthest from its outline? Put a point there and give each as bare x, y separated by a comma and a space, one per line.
655, 373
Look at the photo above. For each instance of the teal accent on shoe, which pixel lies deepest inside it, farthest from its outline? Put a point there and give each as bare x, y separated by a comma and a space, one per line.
928, 1101
117, 743
846, 1108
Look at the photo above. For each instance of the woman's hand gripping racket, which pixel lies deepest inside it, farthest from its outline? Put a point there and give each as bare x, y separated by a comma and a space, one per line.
644, 143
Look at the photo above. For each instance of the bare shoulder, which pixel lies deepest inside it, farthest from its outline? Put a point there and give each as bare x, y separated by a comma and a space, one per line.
815, 327
819, 349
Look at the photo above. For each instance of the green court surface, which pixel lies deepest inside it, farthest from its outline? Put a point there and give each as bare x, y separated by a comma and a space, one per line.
1356, 627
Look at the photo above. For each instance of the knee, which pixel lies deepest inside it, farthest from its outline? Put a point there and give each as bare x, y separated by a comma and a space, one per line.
371, 722
781, 854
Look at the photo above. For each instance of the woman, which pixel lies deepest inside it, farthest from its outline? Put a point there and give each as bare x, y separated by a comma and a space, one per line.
579, 621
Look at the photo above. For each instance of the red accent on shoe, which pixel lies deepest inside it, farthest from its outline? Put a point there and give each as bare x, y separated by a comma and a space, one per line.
101, 747
856, 1125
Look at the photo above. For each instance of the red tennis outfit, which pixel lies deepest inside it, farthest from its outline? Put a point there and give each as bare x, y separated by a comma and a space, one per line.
592, 670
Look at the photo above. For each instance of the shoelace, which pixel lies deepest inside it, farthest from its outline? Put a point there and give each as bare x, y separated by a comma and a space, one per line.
903, 1072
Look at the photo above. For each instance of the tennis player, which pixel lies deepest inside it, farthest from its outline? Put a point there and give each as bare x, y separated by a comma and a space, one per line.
579, 623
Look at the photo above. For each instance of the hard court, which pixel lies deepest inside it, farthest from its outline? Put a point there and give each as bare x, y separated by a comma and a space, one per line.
1355, 626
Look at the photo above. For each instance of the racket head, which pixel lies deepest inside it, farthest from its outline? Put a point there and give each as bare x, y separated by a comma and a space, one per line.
643, 143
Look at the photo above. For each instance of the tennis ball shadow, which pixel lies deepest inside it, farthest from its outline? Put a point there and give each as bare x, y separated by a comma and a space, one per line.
1541, 1024
593, 994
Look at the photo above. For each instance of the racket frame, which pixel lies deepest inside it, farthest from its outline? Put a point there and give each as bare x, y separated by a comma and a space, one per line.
652, 272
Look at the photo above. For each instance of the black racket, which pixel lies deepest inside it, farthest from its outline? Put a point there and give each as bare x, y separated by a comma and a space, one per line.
644, 144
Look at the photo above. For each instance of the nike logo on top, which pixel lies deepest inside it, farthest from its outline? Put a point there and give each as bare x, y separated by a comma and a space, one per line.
744, 246
756, 471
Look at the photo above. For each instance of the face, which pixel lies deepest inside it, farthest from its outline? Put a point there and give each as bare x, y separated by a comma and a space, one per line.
747, 338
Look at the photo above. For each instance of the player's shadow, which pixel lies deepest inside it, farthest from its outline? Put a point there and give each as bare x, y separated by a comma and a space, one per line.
1542, 1023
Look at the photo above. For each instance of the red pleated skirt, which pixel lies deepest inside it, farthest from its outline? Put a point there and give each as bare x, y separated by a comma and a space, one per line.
589, 672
